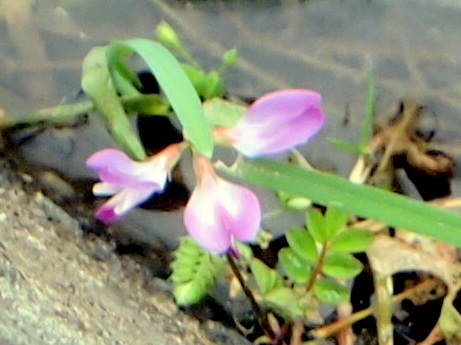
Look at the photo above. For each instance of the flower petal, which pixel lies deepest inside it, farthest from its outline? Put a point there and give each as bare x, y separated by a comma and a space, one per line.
106, 189
239, 210
277, 122
113, 158
125, 201
202, 223
282, 105
219, 211
277, 138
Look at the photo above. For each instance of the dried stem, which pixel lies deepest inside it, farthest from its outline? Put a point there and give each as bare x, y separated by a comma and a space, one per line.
260, 315
329, 330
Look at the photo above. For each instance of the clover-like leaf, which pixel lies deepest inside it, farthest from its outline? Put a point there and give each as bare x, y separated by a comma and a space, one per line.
284, 301
352, 241
194, 272
328, 290
316, 225
266, 278
335, 220
294, 265
341, 265
302, 242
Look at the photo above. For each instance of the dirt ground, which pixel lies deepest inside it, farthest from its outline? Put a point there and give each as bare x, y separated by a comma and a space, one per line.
58, 286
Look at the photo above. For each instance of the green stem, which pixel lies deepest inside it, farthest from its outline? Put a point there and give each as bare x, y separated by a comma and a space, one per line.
64, 112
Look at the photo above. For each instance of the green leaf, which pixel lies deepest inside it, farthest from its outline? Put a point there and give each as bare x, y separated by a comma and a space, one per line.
266, 278
352, 241
362, 200
296, 267
176, 86
316, 225
146, 105
229, 58
189, 293
341, 265
222, 113
335, 220
244, 250
207, 85
330, 291
213, 86
194, 272
285, 302
97, 84
168, 37
302, 242
125, 80
196, 76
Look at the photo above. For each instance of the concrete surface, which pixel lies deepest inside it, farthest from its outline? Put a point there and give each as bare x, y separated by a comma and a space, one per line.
60, 287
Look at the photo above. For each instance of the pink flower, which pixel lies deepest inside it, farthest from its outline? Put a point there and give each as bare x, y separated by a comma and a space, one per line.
275, 122
219, 212
130, 182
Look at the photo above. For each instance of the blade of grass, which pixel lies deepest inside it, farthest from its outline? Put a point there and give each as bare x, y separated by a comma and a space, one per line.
361, 200
176, 86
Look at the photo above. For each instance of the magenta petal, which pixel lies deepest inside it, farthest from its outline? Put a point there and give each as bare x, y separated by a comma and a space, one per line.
202, 224
278, 122
106, 214
116, 167
124, 201
240, 211
219, 211
130, 182
109, 157
296, 132
282, 104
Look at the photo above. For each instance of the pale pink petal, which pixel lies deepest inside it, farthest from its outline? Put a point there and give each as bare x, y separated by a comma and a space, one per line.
279, 137
203, 225
219, 211
277, 122
283, 104
239, 210
114, 158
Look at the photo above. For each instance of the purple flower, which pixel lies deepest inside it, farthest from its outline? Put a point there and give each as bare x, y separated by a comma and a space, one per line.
130, 182
219, 212
276, 122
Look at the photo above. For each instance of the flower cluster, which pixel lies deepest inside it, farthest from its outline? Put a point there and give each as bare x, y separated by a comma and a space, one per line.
218, 212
